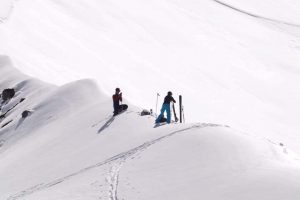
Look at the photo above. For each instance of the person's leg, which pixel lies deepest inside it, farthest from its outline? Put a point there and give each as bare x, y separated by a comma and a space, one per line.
124, 106
168, 114
120, 108
116, 108
161, 114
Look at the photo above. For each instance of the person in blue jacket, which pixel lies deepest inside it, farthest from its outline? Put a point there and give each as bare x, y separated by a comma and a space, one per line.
166, 107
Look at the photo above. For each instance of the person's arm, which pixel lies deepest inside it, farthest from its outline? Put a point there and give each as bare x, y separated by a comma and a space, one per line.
173, 100
120, 98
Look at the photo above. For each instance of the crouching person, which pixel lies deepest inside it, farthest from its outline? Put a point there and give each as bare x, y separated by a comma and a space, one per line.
117, 98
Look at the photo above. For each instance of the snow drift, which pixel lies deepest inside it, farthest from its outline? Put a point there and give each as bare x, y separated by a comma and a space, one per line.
234, 62
71, 147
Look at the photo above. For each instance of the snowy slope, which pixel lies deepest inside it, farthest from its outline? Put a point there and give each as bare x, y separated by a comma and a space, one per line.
235, 63
230, 62
71, 147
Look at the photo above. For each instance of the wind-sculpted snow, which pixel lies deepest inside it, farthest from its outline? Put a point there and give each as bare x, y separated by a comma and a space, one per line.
27, 92
236, 68
249, 159
229, 67
70, 146
120, 158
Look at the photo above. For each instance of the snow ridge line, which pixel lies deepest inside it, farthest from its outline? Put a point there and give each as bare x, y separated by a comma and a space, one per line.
115, 169
256, 16
125, 155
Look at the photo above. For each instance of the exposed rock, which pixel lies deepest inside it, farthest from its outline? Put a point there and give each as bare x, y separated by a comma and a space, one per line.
25, 113
5, 124
8, 94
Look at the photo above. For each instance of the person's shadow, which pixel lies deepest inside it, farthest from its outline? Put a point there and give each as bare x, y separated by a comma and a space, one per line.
107, 124
19, 123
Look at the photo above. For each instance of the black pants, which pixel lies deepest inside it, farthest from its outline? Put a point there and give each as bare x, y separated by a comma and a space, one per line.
119, 108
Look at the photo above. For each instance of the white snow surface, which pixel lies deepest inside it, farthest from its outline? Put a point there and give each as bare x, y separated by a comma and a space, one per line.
230, 67
70, 147
236, 63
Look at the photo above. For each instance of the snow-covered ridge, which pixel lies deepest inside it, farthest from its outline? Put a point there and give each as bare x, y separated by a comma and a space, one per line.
236, 68
231, 68
71, 147
40, 98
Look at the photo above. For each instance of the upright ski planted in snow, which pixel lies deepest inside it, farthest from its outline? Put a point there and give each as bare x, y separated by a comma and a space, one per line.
175, 116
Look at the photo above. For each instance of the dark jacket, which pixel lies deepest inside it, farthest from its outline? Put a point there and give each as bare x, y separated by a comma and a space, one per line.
168, 99
117, 98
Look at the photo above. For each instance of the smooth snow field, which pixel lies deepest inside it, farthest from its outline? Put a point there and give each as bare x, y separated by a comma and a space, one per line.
236, 63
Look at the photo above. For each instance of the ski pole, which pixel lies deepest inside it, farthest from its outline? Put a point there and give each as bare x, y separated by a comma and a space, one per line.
175, 116
157, 95
180, 108
183, 114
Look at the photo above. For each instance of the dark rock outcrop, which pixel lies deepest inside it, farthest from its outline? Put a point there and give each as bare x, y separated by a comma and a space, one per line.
25, 113
8, 94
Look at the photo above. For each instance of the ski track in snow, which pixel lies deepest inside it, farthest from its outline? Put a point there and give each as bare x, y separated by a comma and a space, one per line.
117, 161
113, 179
256, 16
